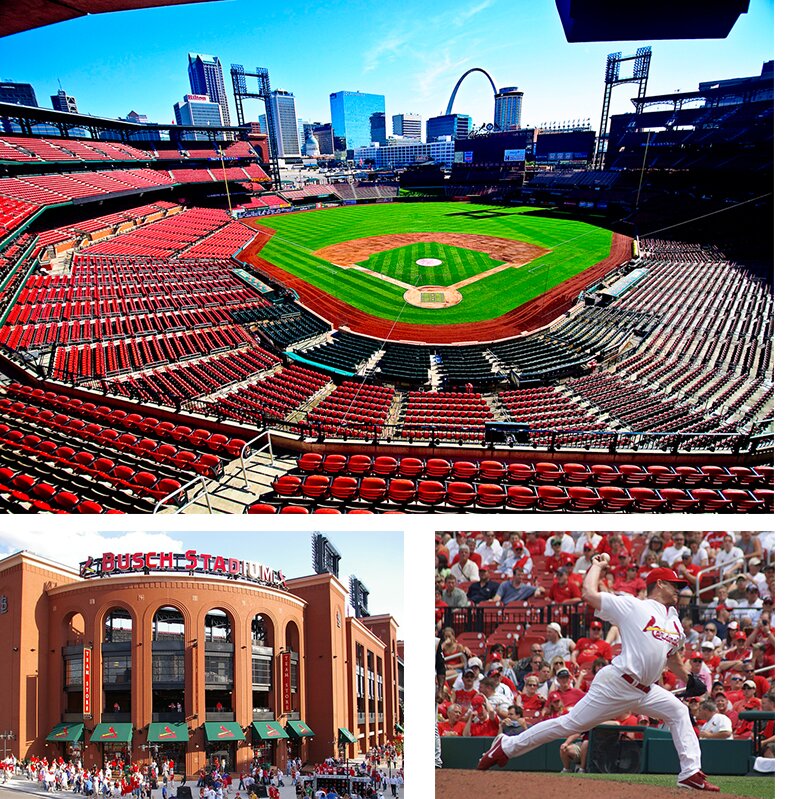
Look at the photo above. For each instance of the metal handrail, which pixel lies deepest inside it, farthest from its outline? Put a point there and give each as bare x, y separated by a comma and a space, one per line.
732, 578
183, 489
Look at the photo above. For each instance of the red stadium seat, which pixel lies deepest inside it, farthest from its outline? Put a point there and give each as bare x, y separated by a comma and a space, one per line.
490, 495
372, 489
401, 491
316, 486
410, 468
287, 485
359, 464
460, 494
310, 462
261, 507
520, 472
521, 497
464, 470
334, 464
437, 468
430, 492
344, 488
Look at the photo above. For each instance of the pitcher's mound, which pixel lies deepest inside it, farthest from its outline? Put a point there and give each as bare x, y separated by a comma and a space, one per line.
428, 262
432, 296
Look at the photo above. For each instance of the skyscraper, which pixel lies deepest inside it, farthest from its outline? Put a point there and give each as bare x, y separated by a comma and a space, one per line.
64, 102
197, 109
350, 113
285, 116
377, 126
206, 77
508, 108
408, 126
19, 93
455, 125
324, 135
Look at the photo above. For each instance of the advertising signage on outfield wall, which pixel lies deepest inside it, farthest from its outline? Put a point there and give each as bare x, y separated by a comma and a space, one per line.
515, 155
188, 562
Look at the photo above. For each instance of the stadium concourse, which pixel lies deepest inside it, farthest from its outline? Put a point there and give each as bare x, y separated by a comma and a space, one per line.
147, 366
518, 645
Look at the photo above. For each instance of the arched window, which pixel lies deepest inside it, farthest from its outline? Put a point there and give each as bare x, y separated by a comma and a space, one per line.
117, 627
168, 625
218, 627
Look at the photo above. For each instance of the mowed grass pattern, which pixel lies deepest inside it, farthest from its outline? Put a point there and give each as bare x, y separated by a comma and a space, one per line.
456, 263
575, 246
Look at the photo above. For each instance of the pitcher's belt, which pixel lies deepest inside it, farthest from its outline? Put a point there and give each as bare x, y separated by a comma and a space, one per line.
636, 684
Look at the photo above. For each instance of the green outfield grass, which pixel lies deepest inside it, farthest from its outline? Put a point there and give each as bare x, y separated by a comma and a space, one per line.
574, 246
759, 787
456, 263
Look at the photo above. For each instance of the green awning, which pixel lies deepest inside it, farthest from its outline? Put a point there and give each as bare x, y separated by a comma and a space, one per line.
398, 728
298, 729
344, 733
111, 733
269, 730
160, 732
223, 731
66, 732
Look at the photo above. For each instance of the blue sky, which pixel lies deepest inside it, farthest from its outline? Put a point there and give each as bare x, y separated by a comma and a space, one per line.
413, 52
374, 557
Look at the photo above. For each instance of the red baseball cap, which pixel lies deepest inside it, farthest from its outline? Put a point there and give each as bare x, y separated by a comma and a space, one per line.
667, 575
596, 625
554, 696
478, 699
739, 636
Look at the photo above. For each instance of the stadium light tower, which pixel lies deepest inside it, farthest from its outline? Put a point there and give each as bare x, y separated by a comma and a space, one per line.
613, 77
239, 76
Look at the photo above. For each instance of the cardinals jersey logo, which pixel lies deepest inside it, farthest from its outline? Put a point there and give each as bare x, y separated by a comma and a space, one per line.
662, 634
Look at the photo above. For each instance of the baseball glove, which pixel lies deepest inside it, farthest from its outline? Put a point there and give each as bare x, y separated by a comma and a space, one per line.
694, 687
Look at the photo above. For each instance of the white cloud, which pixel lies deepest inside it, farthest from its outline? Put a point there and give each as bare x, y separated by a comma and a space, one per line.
388, 48
466, 15
70, 549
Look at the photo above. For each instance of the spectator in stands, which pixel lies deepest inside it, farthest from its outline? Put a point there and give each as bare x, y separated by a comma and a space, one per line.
699, 669
531, 663
767, 742
721, 618
489, 549
496, 695
752, 603
738, 590
709, 634
691, 635
749, 701
566, 544
513, 590
630, 582
653, 547
452, 595
583, 563
556, 644
590, 540
442, 566
674, 552
709, 657
563, 592
485, 722
749, 543
715, 725
586, 676
515, 722
558, 558
730, 559
457, 722
722, 597
769, 591
684, 600
464, 569
454, 544
554, 706
723, 705
531, 700
588, 649
734, 658
755, 576
509, 553
536, 543
761, 640
686, 568
484, 589
568, 693
699, 553
522, 559
465, 695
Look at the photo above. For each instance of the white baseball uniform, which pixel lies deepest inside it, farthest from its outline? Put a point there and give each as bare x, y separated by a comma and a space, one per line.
650, 633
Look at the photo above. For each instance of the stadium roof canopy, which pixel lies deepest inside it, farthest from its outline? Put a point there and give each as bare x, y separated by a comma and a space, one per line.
22, 15
638, 20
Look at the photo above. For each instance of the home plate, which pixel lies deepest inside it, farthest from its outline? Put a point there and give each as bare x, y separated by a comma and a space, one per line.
428, 262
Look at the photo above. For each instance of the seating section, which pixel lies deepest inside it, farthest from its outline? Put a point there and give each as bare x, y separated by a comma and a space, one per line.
343, 352
454, 416
352, 409
547, 408
65, 455
321, 483
272, 398
221, 243
23, 148
14, 212
173, 384
405, 363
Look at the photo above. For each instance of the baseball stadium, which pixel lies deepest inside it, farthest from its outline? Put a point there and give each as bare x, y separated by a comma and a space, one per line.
181, 333
550, 674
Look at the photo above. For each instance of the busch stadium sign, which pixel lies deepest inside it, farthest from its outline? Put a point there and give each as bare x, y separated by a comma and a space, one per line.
190, 562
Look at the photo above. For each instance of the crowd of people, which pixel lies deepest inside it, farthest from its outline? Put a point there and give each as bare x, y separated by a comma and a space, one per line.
377, 775
728, 618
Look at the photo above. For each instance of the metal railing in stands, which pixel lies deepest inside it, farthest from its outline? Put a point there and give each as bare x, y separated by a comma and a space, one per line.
184, 491
733, 576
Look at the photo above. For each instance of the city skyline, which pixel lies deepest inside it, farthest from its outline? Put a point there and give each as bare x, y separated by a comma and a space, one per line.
412, 57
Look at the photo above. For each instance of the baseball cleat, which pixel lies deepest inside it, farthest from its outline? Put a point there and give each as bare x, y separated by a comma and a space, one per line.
494, 756
698, 782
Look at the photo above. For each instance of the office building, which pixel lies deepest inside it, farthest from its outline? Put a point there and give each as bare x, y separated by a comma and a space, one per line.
64, 102
350, 113
456, 126
508, 108
206, 77
324, 135
285, 118
197, 109
17, 93
140, 654
394, 156
409, 126
377, 126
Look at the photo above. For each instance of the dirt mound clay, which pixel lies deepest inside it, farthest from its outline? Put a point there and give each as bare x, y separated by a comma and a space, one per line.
457, 784
357, 250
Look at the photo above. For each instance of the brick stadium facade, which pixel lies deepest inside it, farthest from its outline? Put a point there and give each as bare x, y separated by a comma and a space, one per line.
130, 664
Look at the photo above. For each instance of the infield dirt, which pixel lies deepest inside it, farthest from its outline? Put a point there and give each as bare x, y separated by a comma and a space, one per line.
457, 783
